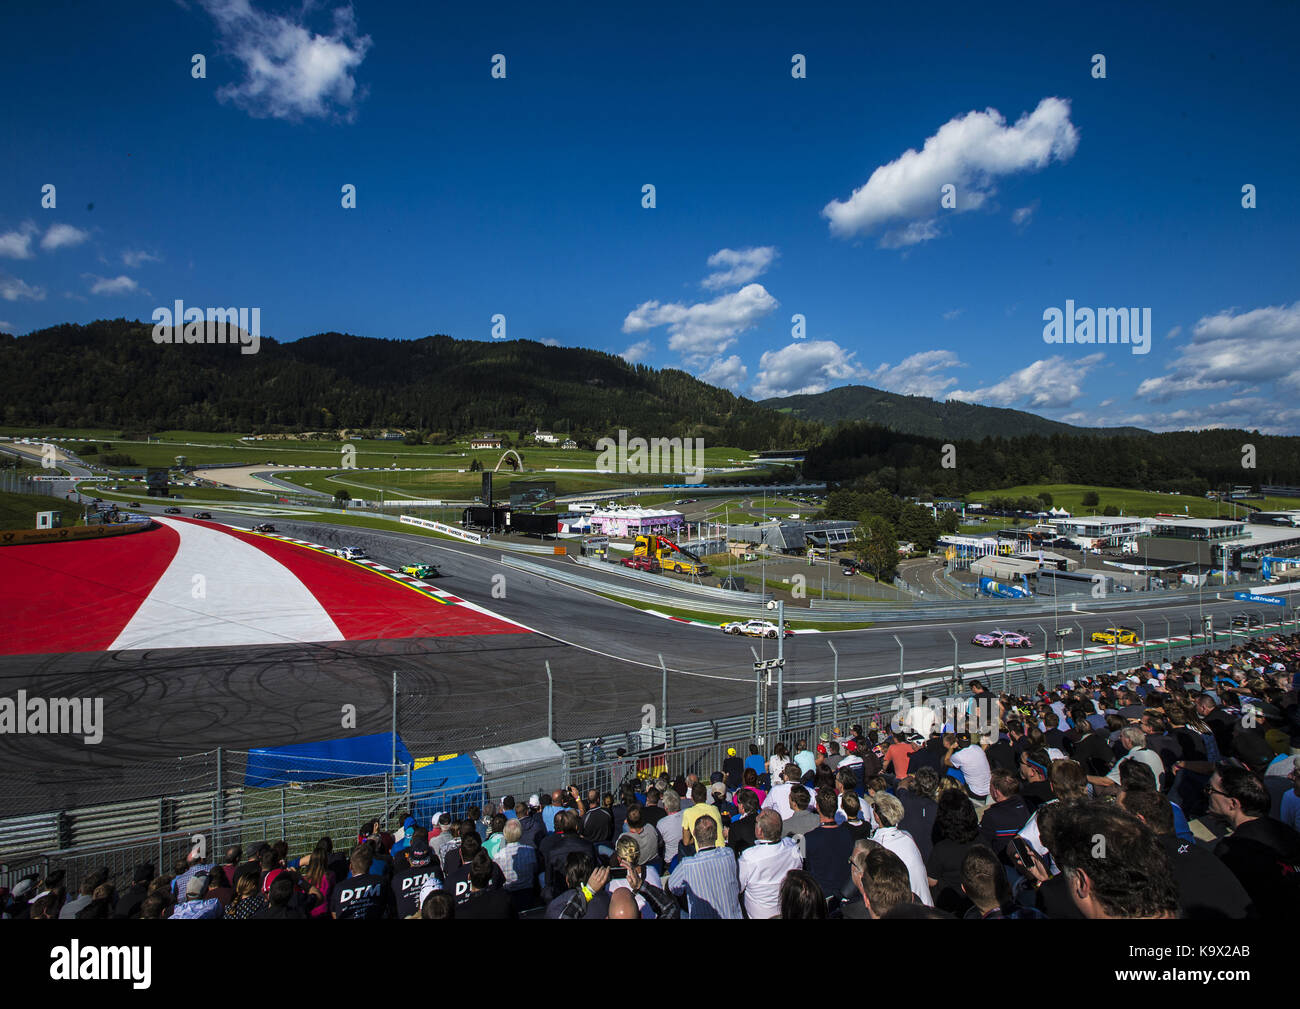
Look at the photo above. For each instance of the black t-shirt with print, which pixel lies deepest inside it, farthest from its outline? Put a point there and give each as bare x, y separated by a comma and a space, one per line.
944, 864
406, 886
363, 897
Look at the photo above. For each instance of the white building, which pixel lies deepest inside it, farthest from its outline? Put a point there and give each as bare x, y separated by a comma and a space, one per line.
545, 438
1094, 531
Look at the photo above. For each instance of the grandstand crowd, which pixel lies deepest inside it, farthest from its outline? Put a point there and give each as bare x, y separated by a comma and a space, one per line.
1168, 790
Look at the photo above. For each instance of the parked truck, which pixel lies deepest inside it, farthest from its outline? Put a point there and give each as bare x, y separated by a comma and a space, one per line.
670, 556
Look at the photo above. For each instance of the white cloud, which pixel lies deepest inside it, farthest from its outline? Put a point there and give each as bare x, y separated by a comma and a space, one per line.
18, 244
949, 316
639, 351
1232, 350
290, 72
13, 289
1173, 333
970, 152
729, 373
6, 327
1047, 384
741, 266
112, 285
63, 236
806, 366
1021, 216
917, 375
135, 258
703, 331
550, 341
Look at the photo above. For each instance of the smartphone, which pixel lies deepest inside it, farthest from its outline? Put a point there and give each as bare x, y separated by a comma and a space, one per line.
618, 873
1023, 850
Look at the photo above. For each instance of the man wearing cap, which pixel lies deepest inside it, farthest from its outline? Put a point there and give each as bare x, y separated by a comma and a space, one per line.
734, 769
197, 903
531, 827
418, 867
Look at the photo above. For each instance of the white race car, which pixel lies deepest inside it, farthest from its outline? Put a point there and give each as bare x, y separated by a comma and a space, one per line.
753, 628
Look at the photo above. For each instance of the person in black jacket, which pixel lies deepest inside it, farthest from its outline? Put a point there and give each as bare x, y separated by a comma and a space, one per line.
280, 898
555, 849
1263, 853
130, 899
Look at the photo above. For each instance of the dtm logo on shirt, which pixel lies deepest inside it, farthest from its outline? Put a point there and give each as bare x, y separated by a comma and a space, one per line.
415, 883
102, 963
357, 893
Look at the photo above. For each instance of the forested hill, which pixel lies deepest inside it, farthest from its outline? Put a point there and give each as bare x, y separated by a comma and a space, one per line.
110, 374
927, 417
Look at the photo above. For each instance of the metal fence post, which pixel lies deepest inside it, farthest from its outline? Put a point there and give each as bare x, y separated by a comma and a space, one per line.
221, 801
663, 693
550, 703
393, 763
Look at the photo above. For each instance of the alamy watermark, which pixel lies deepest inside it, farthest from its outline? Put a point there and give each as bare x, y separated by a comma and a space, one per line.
53, 716
658, 455
179, 324
1103, 325
976, 715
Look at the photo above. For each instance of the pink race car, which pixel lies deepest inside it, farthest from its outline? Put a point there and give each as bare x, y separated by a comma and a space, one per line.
996, 639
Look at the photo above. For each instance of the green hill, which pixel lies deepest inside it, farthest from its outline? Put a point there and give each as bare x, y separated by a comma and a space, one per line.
926, 417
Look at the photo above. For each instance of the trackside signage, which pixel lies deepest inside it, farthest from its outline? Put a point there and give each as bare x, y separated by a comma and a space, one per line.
439, 527
1250, 597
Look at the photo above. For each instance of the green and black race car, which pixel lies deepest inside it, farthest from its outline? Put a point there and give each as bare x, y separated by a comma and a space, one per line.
420, 570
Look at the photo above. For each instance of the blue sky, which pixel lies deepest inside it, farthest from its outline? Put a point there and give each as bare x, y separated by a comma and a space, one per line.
775, 196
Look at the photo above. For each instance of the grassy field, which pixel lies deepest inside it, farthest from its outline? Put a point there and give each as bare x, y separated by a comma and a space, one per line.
1132, 502
18, 511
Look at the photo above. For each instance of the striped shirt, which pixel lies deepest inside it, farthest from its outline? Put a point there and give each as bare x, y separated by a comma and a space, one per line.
710, 882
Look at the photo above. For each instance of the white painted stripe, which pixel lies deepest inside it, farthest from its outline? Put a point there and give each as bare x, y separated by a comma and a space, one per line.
247, 598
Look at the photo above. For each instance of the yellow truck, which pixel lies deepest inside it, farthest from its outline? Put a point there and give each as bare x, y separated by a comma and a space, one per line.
670, 556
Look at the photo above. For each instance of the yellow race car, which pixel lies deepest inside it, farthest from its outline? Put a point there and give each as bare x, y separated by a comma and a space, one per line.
1112, 635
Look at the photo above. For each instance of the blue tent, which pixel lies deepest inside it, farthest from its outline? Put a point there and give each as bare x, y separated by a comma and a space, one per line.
352, 757
443, 786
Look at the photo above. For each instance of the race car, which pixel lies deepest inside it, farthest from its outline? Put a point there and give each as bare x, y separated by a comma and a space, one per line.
171, 511
996, 639
265, 527
420, 570
203, 515
754, 628
1116, 635
350, 553
641, 563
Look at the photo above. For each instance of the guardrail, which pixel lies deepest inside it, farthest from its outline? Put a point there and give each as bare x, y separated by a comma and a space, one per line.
710, 601
689, 587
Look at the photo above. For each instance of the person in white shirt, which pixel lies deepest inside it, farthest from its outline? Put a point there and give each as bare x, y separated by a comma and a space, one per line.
776, 764
889, 812
921, 719
1135, 742
779, 797
763, 867
971, 761
627, 853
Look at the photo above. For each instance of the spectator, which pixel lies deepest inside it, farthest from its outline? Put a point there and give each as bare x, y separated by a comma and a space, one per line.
101, 903
888, 813
708, 879
653, 812
734, 769
85, 893
1134, 742
984, 884
457, 879
880, 879
646, 837
755, 762
1263, 853
280, 900
531, 826
956, 831
551, 806
801, 818
701, 809
518, 862
1128, 877
965, 755
917, 793
750, 779
627, 854
742, 833
1006, 817
416, 874
438, 905
897, 755
1289, 813
585, 895
777, 764
805, 758
801, 897
639, 897
197, 903
670, 828
485, 899
1207, 889
763, 867
496, 836
363, 895
854, 821
827, 848
1091, 751
508, 807
554, 851
129, 901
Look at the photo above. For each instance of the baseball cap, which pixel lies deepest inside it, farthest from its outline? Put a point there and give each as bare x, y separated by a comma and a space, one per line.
821, 748
419, 856
24, 887
197, 884
731, 751
851, 746
534, 802
718, 788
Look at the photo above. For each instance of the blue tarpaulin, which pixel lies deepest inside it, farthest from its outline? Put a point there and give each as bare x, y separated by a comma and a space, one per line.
443, 786
353, 757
